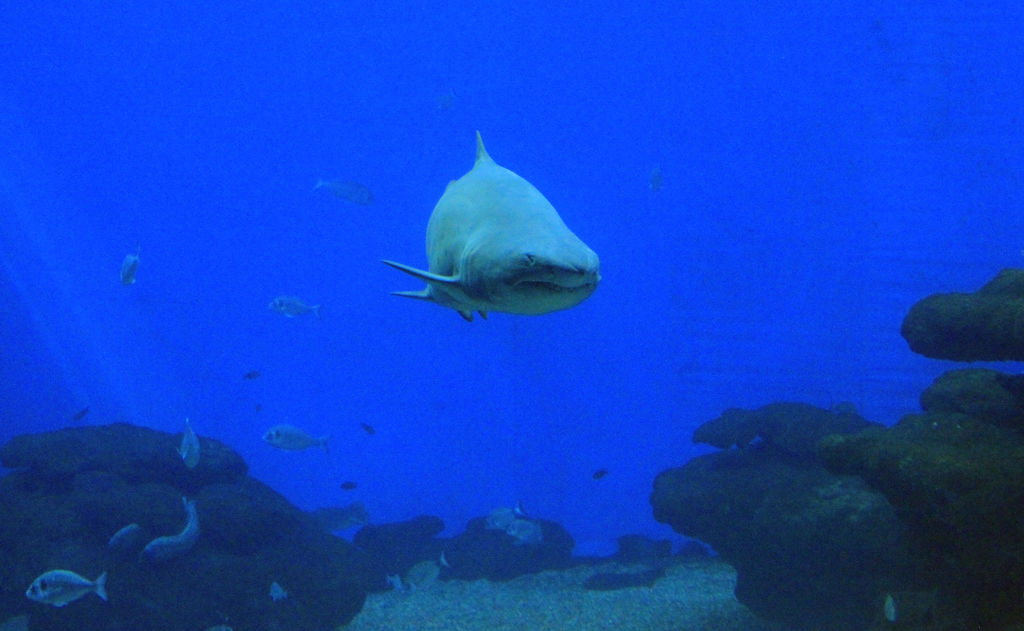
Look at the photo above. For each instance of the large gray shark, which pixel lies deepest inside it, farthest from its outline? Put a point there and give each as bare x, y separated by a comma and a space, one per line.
494, 243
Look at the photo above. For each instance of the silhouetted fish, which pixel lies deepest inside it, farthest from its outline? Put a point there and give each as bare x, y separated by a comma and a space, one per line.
348, 485
129, 266
368, 428
600, 473
655, 182
79, 415
252, 374
352, 191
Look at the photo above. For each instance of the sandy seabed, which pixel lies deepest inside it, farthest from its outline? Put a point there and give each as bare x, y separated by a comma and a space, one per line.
692, 596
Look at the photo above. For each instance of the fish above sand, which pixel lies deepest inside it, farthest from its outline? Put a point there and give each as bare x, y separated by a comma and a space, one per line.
494, 243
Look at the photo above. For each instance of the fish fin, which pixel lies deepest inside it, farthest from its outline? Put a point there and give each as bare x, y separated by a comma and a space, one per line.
483, 314
466, 315
316, 311
101, 585
481, 153
323, 443
423, 294
430, 277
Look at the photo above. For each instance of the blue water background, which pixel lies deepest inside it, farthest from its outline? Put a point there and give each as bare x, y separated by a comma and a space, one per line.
825, 165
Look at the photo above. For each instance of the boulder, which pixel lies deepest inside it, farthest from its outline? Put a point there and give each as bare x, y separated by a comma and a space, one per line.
72, 489
986, 325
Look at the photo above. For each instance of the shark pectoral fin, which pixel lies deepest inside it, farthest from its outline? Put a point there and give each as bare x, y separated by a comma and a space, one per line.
423, 294
430, 277
466, 315
483, 314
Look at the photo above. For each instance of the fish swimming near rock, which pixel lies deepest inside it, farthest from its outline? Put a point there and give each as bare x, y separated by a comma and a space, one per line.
291, 306
291, 438
79, 415
351, 191
124, 538
494, 243
170, 546
189, 449
525, 532
277, 593
129, 266
60, 587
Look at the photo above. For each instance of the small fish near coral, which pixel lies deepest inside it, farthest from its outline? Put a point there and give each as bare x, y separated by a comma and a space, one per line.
291, 438
60, 587
292, 306
171, 546
277, 593
189, 449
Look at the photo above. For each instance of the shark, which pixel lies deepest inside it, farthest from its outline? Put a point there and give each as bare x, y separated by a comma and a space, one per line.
495, 243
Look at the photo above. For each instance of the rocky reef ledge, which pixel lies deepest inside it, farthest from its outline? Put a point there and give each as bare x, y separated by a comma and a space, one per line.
72, 489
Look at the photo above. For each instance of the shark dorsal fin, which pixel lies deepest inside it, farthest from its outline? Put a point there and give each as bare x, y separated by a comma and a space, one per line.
481, 153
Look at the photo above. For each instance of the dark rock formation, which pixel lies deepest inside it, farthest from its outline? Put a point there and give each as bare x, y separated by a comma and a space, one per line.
812, 549
482, 553
987, 395
72, 489
397, 546
958, 483
793, 428
987, 325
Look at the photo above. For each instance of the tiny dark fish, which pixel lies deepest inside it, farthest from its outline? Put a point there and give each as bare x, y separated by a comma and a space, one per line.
348, 485
252, 374
259, 407
352, 191
368, 428
79, 415
600, 473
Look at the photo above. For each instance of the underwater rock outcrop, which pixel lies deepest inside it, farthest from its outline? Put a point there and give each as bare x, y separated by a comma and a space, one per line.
793, 428
987, 325
74, 488
482, 552
811, 548
958, 483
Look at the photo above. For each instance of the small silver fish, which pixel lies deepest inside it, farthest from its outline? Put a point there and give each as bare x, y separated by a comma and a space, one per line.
129, 266
525, 532
292, 438
352, 191
290, 306
189, 449
170, 546
125, 537
500, 518
277, 593
60, 587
